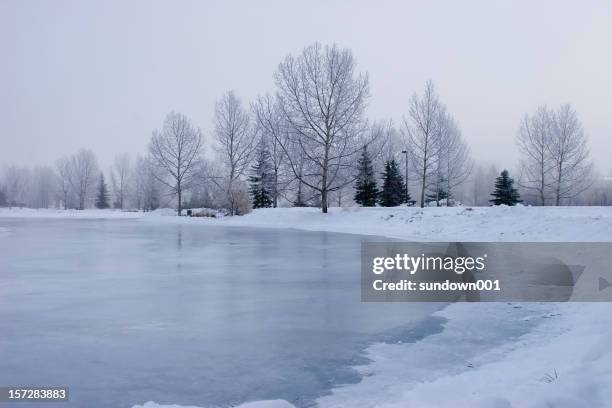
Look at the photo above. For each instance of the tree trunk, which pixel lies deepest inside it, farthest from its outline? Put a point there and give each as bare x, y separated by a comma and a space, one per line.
324, 200
275, 198
324, 181
423, 186
180, 202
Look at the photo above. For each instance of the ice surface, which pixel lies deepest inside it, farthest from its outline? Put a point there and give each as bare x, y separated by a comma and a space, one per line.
125, 312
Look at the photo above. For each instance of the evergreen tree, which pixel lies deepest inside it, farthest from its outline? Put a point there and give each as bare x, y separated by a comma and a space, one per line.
439, 193
366, 190
393, 192
102, 197
261, 179
505, 193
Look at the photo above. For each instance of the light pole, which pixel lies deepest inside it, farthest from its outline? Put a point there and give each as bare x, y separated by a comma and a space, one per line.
405, 152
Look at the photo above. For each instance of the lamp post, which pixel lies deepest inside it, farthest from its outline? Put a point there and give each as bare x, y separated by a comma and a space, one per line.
405, 152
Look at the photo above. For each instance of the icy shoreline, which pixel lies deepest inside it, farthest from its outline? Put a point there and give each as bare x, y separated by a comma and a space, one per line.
564, 360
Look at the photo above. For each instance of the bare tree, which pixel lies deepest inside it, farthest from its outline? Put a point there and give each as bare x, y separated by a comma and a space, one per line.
571, 168
146, 187
64, 171
455, 161
120, 173
84, 173
534, 140
42, 189
175, 151
323, 101
424, 139
235, 137
273, 129
16, 180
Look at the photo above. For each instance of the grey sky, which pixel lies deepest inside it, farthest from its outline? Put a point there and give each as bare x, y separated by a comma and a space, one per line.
103, 74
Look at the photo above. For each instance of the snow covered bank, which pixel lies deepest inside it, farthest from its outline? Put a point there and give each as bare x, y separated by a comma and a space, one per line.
547, 224
565, 361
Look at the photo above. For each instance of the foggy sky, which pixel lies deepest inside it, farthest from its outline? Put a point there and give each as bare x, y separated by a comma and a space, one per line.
103, 75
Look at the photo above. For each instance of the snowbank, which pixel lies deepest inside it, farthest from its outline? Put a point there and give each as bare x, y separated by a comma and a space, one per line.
547, 224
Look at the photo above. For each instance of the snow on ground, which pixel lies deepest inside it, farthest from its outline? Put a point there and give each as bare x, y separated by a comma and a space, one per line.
564, 361
480, 224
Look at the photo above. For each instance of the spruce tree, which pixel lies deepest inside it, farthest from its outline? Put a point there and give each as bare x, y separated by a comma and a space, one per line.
439, 193
366, 190
261, 179
102, 197
505, 193
393, 192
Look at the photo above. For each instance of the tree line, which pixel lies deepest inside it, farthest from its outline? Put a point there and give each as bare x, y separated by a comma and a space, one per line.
309, 143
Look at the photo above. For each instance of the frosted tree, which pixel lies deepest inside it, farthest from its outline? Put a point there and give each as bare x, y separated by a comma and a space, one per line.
175, 150
421, 129
146, 186
274, 130
64, 172
454, 162
261, 180
120, 179
43, 191
569, 155
16, 181
322, 99
534, 140
235, 137
83, 171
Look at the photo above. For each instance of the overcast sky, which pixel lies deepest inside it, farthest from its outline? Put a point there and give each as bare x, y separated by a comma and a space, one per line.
103, 75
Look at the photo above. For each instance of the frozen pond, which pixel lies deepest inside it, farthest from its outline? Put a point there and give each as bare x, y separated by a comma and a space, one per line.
126, 311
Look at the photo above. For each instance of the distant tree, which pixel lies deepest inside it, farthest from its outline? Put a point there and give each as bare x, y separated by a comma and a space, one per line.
83, 170
269, 119
439, 192
64, 171
235, 136
102, 197
393, 192
261, 180
3, 202
572, 169
366, 190
175, 151
423, 135
299, 198
16, 180
505, 193
120, 179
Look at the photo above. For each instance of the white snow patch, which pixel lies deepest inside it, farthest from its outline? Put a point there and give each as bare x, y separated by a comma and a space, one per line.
478, 224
